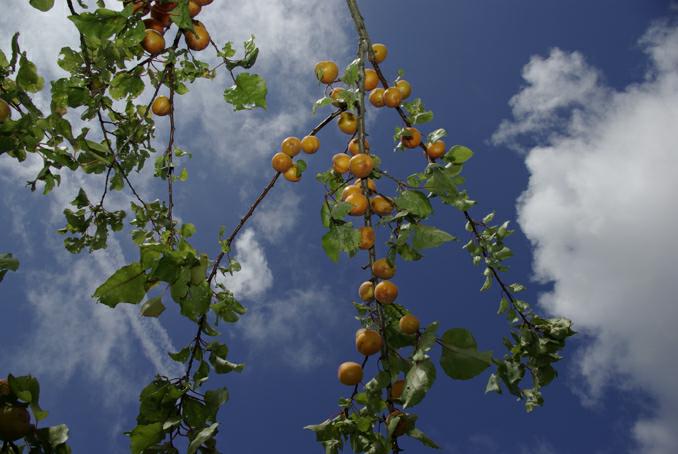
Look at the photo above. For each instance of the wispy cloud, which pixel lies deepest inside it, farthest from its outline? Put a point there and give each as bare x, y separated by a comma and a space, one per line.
600, 212
255, 277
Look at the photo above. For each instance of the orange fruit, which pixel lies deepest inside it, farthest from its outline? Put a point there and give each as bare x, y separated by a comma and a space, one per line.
340, 162
326, 71
5, 111
336, 94
368, 342
386, 292
383, 269
354, 146
392, 97
310, 144
409, 324
367, 237
161, 106
154, 24
281, 162
381, 205
15, 422
412, 139
361, 165
397, 389
291, 146
348, 123
348, 190
366, 291
350, 373
292, 174
403, 425
436, 149
161, 16
380, 52
358, 204
371, 185
371, 79
153, 42
165, 6
199, 38
139, 6
404, 87
193, 8
377, 97
203, 2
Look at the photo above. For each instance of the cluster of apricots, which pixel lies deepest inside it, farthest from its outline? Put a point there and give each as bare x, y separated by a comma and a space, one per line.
160, 20
290, 147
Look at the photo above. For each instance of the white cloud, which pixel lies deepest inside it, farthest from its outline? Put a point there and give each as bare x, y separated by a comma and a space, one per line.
292, 328
600, 212
255, 277
278, 214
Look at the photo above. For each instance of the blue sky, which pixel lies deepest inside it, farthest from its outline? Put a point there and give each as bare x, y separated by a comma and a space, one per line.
571, 110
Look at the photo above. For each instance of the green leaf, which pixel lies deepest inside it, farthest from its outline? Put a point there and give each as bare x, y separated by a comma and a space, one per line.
460, 358
341, 238
415, 203
99, 26
458, 154
153, 307
214, 399
126, 285
27, 78
418, 381
125, 84
419, 435
194, 412
7, 263
202, 437
249, 92
425, 236
182, 355
42, 5
27, 389
181, 17
145, 436
157, 402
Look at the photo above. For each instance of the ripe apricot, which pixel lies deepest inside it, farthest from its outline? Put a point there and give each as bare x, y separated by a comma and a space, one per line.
292, 174
403, 425
358, 203
5, 111
392, 97
281, 162
153, 42
411, 138
139, 6
350, 373
368, 342
310, 144
371, 185
326, 71
377, 97
199, 38
154, 24
161, 16
404, 87
381, 205
409, 324
380, 52
367, 237
354, 146
15, 422
291, 146
366, 291
341, 162
194, 8
348, 123
165, 6
203, 2
350, 189
371, 79
436, 149
397, 389
361, 165
336, 94
386, 292
383, 269
161, 106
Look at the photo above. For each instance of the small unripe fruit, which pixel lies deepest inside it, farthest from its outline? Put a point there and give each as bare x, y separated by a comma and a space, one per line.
291, 146
366, 291
5, 111
310, 144
350, 373
386, 292
281, 162
368, 342
326, 71
382, 269
409, 324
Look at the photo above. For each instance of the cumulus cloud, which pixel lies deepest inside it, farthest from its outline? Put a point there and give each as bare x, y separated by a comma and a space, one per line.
279, 327
600, 213
278, 214
255, 277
